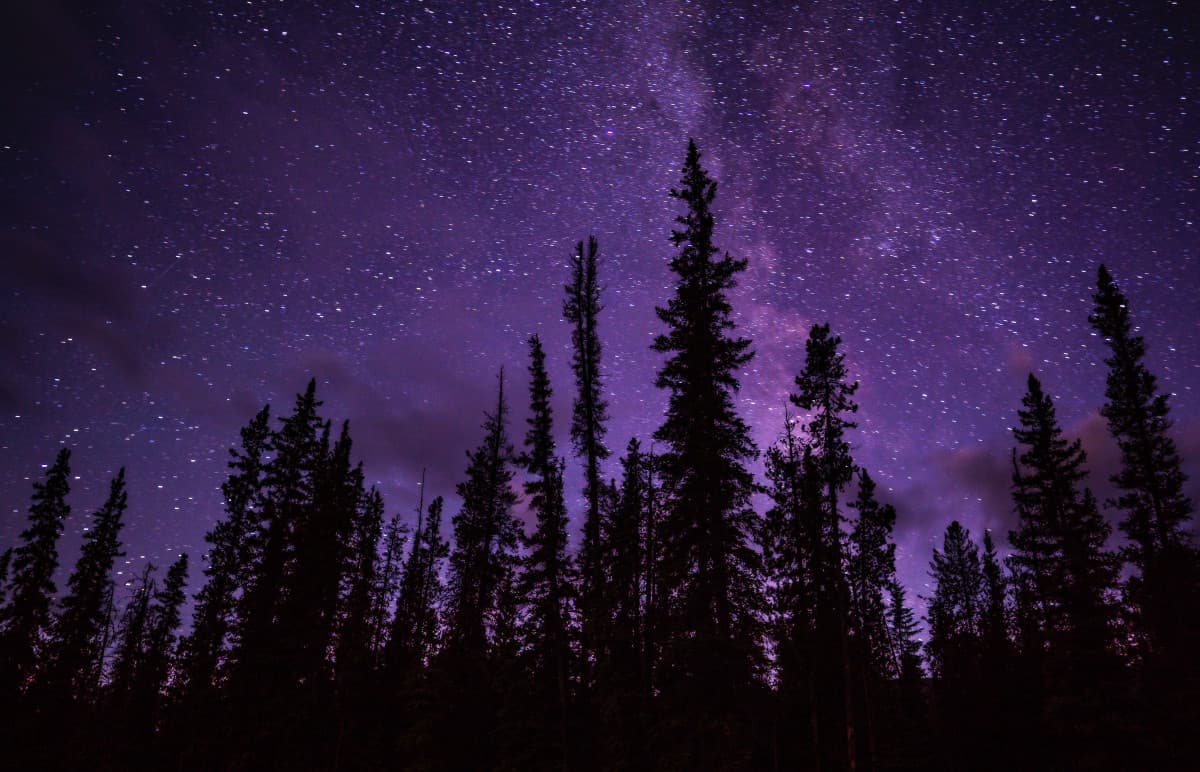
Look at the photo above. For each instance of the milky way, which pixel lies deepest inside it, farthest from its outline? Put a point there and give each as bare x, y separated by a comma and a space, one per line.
204, 207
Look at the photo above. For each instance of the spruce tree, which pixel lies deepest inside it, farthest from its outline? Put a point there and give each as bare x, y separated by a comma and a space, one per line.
623, 660
824, 391
710, 572
1164, 590
954, 609
387, 582
414, 624
954, 644
903, 630
1065, 578
77, 642
25, 620
791, 538
162, 625
545, 582
581, 307
203, 652
486, 534
871, 569
480, 639
131, 640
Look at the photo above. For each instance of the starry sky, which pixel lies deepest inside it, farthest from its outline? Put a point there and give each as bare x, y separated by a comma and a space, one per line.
205, 204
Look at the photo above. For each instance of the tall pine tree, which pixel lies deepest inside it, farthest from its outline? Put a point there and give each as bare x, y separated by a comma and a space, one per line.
581, 309
710, 572
823, 389
76, 651
25, 620
546, 581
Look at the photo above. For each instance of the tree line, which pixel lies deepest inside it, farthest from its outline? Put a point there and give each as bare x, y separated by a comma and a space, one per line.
688, 631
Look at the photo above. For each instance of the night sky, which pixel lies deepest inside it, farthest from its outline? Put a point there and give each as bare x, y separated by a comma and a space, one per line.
203, 207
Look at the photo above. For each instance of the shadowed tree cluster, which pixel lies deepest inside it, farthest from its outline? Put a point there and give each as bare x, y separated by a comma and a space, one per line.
688, 629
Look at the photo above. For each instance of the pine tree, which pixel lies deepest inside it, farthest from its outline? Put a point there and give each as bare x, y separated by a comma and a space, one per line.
387, 580
623, 661
902, 631
1064, 578
872, 568
486, 533
131, 640
77, 642
480, 638
287, 490
710, 573
203, 652
824, 391
25, 620
1150, 479
545, 582
954, 646
414, 624
361, 577
1164, 590
791, 544
954, 610
994, 616
581, 308
162, 625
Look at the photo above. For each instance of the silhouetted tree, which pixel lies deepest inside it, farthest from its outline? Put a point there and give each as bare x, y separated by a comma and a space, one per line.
387, 581
823, 389
1064, 584
203, 652
414, 623
581, 309
545, 583
131, 641
76, 647
710, 572
954, 644
481, 619
791, 543
25, 620
1164, 590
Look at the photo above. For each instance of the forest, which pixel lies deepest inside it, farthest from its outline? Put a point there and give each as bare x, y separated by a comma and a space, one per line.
688, 629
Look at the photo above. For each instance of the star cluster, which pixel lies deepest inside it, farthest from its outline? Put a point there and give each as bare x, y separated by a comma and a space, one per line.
206, 205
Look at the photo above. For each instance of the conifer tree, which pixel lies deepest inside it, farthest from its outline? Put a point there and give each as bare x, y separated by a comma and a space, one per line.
1065, 578
823, 389
131, 639
25, 620
710, 573
387, 581
1164, 591
287, 490
993, 620
486, 533
792, 533
414, 624
903, 630
954, 644
77, 643
203, 652
872, 567
954, 610
581, 307
545, 582
162, 625
361, 577
623, 662
1060, 540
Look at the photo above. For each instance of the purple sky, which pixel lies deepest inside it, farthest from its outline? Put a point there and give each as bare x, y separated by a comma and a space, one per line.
205, 206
